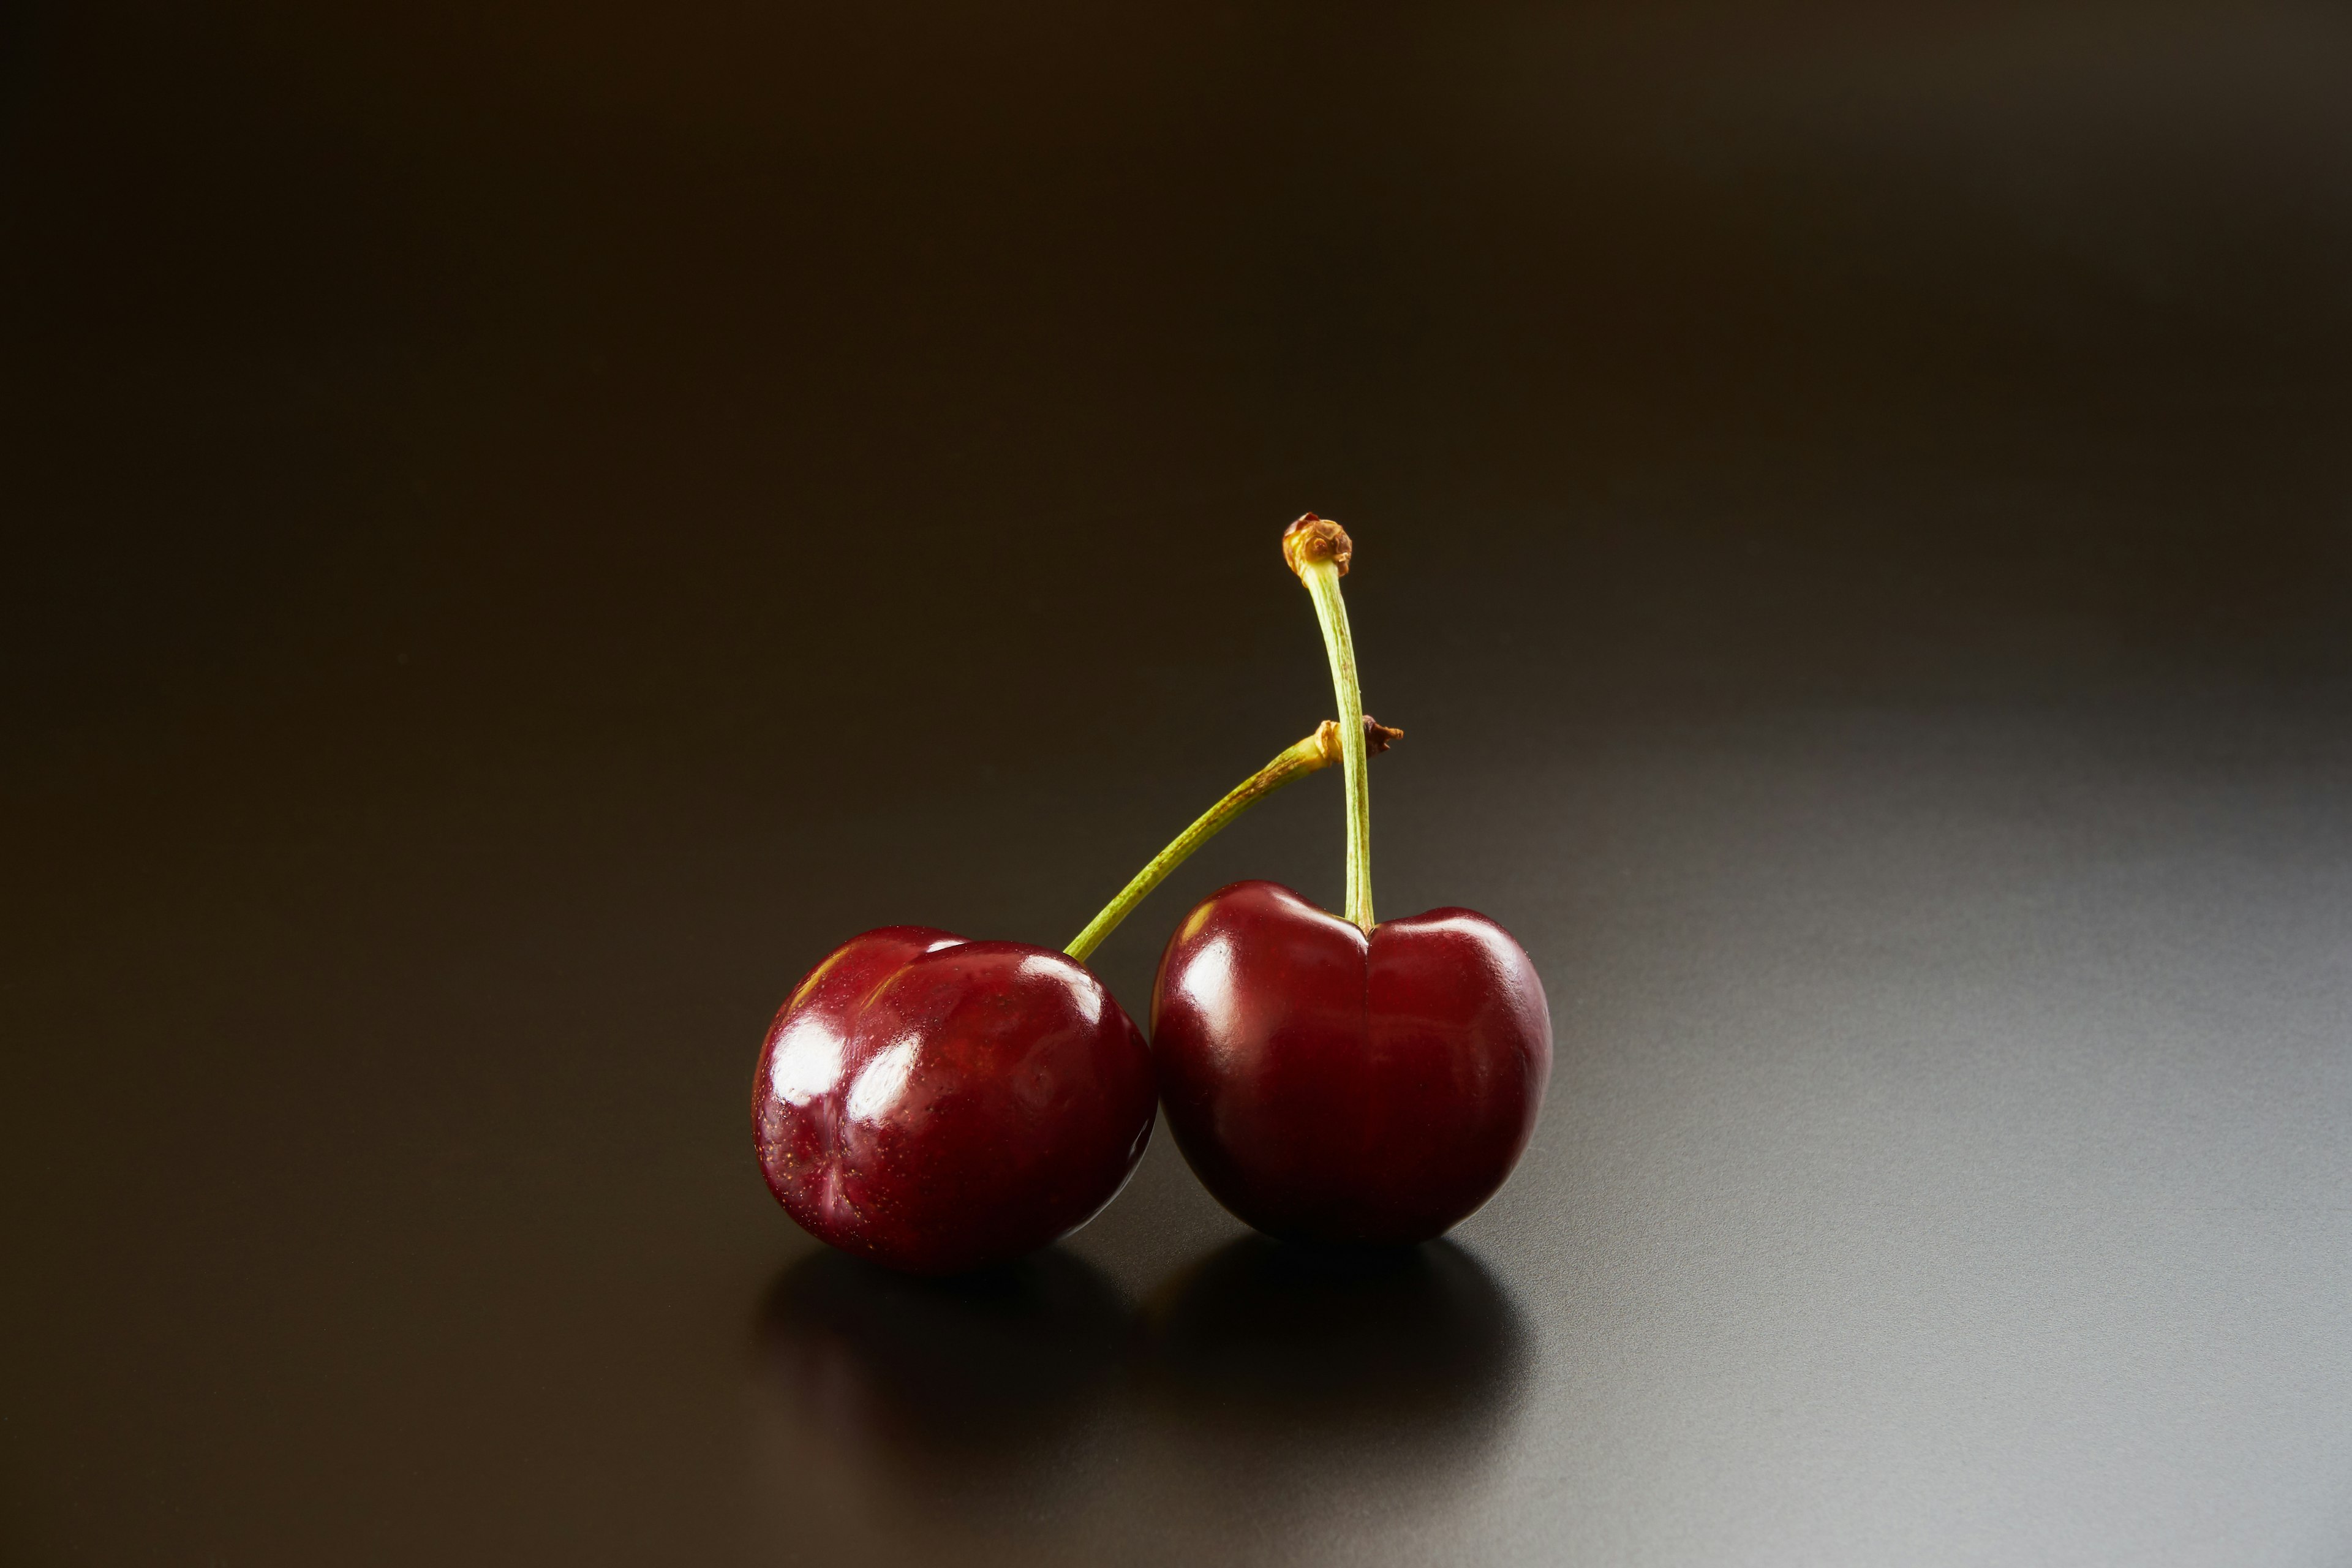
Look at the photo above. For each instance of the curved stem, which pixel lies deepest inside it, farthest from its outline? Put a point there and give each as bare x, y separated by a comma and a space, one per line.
1322, 580
1313, 754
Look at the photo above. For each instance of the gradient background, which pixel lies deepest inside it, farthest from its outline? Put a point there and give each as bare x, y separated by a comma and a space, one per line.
528, 524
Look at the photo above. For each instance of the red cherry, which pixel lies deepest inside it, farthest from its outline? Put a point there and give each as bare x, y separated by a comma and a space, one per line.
937, 1104
1330, 1086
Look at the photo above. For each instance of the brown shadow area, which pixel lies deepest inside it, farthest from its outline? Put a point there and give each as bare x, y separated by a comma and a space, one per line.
1393, 1369
979, 1368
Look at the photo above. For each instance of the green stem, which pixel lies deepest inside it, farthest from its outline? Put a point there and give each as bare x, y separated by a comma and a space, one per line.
1322, 579
1319, 549
1317, 752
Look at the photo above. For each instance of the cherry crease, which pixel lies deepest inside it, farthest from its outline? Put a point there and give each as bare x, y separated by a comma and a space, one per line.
937, 1104
1330, 1086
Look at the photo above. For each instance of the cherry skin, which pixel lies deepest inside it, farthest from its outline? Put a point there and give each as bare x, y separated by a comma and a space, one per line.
937, 1105
1326, 1086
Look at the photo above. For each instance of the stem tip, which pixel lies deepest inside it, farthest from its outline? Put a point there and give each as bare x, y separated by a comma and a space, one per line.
1314, 538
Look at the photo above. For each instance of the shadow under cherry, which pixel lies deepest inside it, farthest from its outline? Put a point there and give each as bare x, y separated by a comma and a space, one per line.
915, 1417
1390, 1365
1265, 1395
958, 1370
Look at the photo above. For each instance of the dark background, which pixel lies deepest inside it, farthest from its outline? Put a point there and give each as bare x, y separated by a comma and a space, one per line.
528, 524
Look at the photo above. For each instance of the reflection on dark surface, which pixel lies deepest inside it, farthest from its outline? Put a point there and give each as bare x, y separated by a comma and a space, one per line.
1031, 1414
905, 1418
1413, 1351
979, 1368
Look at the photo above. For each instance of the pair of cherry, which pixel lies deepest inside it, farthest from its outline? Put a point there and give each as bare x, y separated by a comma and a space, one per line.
938, 1104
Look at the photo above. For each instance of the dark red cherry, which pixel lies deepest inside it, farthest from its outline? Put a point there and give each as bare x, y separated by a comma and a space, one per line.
1330, 1086
937, 1104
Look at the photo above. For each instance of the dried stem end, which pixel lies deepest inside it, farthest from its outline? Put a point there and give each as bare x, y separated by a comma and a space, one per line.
1378, 738
1312, 539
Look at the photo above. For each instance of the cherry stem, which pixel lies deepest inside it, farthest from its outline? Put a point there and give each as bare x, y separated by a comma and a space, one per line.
1316, 753
1319, 549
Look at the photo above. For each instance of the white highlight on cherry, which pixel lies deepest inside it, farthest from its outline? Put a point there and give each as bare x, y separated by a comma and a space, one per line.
806, 1062
877, 1088
1209, 979
1088, 997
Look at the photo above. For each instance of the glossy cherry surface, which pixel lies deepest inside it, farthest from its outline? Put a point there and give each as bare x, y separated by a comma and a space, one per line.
937, 1104
1330, 1087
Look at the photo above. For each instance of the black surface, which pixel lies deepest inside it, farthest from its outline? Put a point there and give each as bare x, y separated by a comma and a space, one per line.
527, 525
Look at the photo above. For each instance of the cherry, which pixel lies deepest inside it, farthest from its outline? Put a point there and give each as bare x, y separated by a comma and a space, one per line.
938, 1104
1328, 1085
1347, 1079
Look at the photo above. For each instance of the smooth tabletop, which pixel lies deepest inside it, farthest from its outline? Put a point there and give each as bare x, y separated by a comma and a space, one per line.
527, 525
